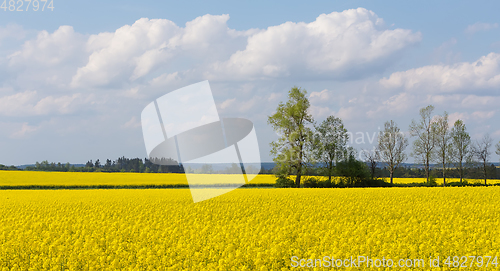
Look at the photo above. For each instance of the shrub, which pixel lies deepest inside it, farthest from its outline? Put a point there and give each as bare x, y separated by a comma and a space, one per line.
284, 182
312, 182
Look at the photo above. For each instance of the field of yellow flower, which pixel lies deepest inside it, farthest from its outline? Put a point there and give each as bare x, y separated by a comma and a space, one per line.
440, 180
37, 178
28, 178
246, 229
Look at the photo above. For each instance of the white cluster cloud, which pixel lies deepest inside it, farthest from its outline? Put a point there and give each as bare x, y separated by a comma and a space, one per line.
337, 45
134, 51
481, 74
12, 31
49, 60
157, 53
49, 49
60, 74
317, 97
24, 130
477, 27
351, 43
31, 103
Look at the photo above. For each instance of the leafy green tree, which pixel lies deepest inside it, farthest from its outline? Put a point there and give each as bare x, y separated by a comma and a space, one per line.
206, 169
443, 143
89, 164
330, 144
351, 171
291, 150
461, 144
233, 169
425, 142
391, 146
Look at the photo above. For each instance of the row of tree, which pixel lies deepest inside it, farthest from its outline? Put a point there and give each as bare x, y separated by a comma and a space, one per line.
434, 142
303, 145
121, 164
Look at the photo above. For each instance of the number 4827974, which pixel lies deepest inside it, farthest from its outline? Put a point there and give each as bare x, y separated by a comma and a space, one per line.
27, 5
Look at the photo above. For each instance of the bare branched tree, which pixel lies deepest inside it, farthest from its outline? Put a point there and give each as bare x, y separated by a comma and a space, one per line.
481, 152
423, 146
461, 146
372, 158
391, 146
443, 143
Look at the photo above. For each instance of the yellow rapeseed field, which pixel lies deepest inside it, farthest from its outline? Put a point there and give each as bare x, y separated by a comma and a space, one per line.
27, 178
440, 180
246, 229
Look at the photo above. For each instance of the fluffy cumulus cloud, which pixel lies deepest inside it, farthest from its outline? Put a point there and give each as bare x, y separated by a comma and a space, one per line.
481, 74
14, 31
129, 52
352, 43
48, 60
31, 103
348, 44
477, 27
49, 49
137, 50
66, 65
24, 130
317, 97
97, 84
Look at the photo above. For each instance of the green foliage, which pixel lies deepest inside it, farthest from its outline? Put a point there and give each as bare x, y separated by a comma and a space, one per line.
3, 167
233, 169
330, 144
352, 171
284, 182
313, 182
291, 150
205, 169
432, 180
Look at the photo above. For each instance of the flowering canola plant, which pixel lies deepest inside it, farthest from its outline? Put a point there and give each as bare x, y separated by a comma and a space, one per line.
27, 178
246, 229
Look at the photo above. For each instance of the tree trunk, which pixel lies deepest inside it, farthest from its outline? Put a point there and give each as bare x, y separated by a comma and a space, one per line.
392, 173
427, 170
484, 169
461, 173
299, 167
299, 173
444, 174
330, 169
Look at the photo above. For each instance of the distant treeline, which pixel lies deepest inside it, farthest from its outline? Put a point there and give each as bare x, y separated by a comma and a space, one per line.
139, 165
3, 167
472, 171
124, 164
121, 164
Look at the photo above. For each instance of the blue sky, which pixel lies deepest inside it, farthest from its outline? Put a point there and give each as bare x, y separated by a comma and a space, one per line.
74, 80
